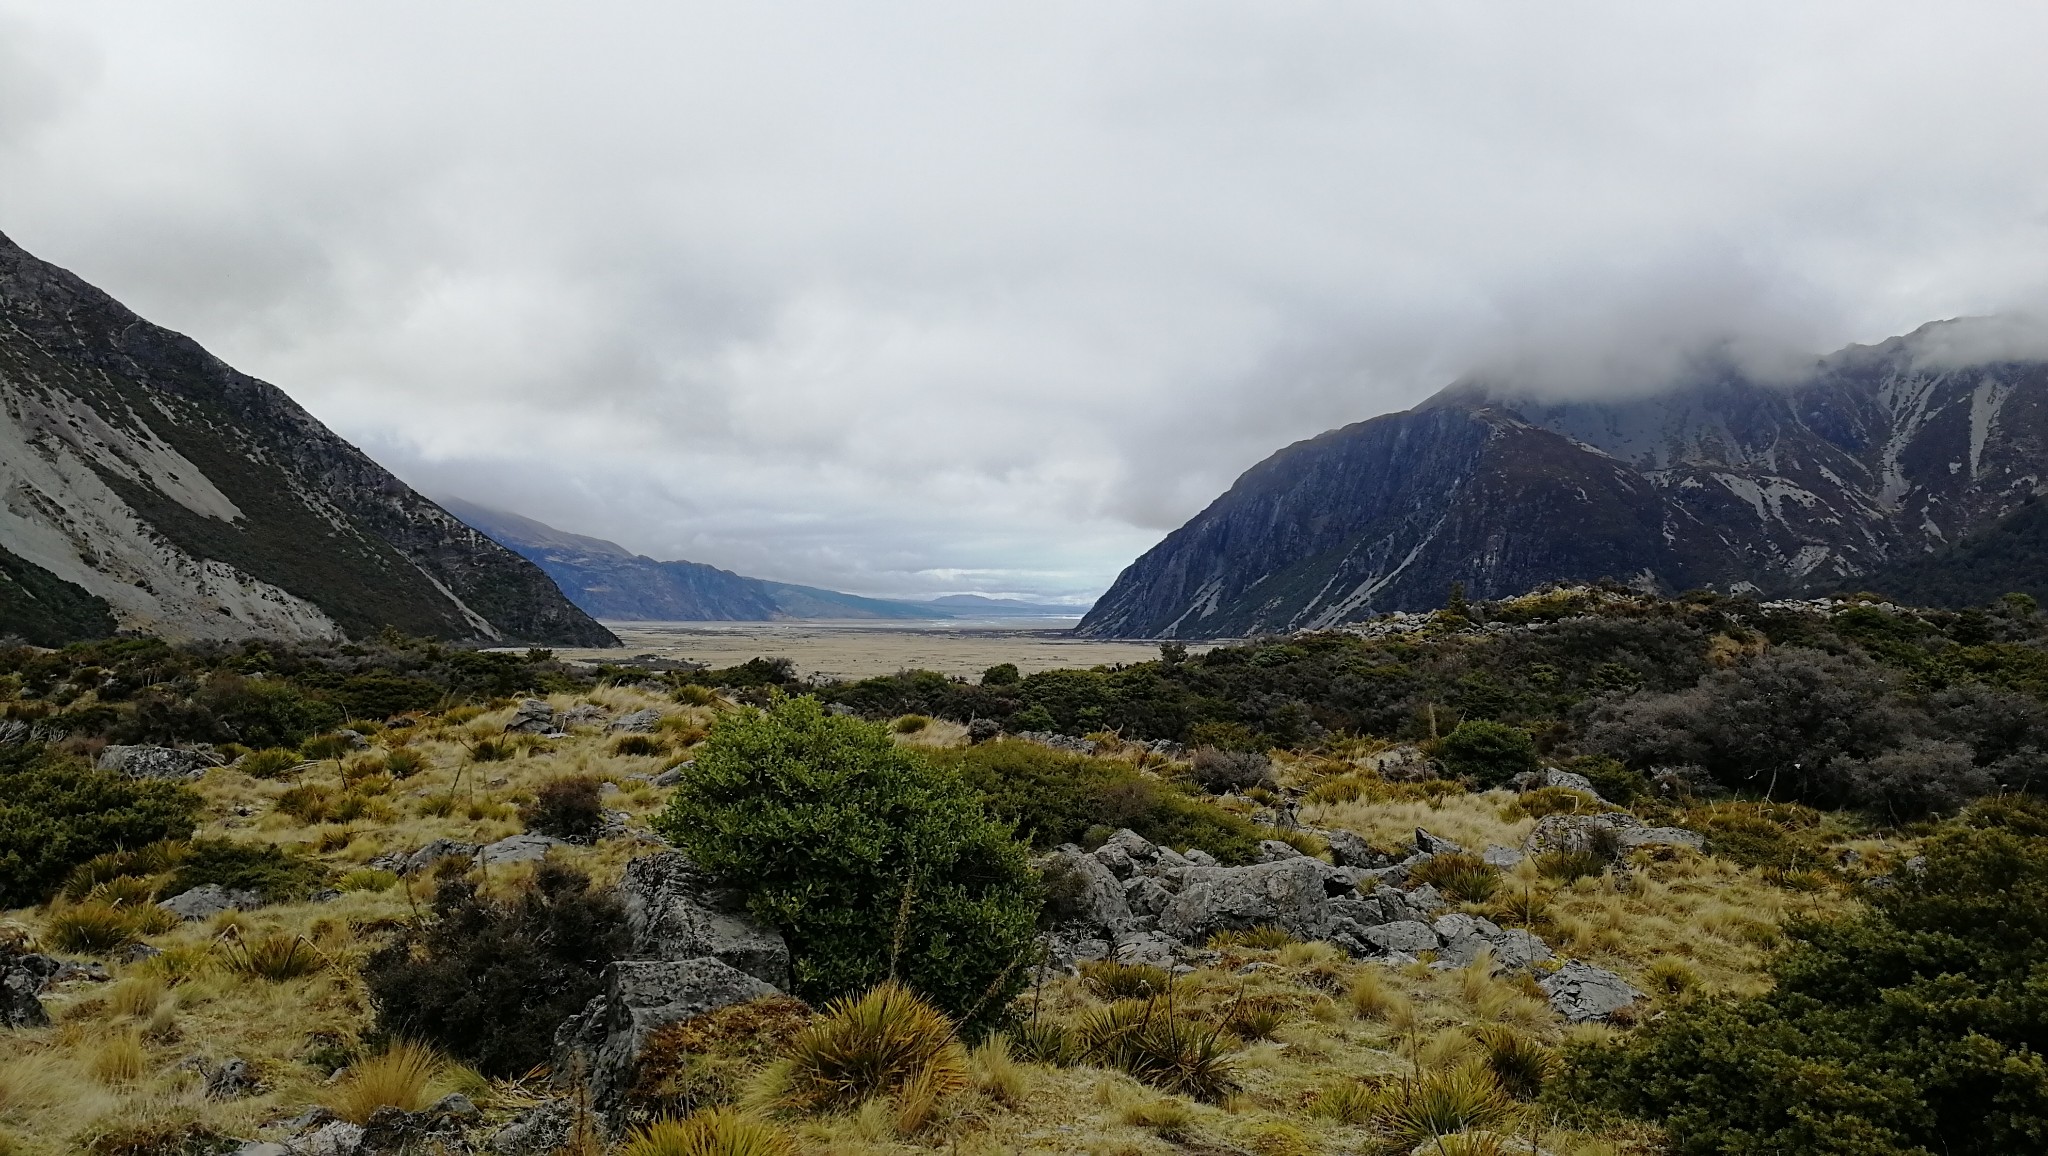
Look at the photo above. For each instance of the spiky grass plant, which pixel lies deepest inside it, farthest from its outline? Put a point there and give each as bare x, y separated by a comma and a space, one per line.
91, 928
712, 1132
398, 1076
368, 879
1460, 876
1265, 938
273, 957
1148, 1039
1520, 1063
1112, 980
1255, 1019
1045, 1041
1416, 1109
125, 891
873, 1045
1346, 1102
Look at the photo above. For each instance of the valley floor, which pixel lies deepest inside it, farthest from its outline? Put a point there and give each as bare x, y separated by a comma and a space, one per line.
852, 650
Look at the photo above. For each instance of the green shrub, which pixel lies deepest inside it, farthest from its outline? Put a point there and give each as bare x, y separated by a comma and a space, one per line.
1052, 797
277, 874
888, 842
568, 807
56, 813
1614, 782
910, 724
1487, 751
1002, 674
1914, 1026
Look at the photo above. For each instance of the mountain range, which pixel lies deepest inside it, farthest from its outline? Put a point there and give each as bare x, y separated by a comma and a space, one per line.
611, 582
146, 485
1910, 461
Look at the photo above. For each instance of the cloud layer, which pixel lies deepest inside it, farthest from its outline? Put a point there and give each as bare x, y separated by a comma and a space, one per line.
920, 298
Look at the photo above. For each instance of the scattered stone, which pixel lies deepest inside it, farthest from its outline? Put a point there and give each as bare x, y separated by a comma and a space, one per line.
1274, 850
526, 847
231, 1081
135, 953
324, 895
393, 1131
209, 900
314, 1116
541, 1130
1404, 935
456, 1104
338, 1138
356, 740
1631, 838
583, 715
1465, 937
1084, 893
673, 775
1288, 894
639, 722
1428, 844
1146, 895
1402, 764
604, 1040
425, 858
262, 1148
532, 716
19, 1005
1578, 833
1350, 849
1581, 992
673, 913
145, 762
1200, 858
1501, 857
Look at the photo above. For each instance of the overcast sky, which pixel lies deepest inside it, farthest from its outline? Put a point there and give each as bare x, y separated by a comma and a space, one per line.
917, 298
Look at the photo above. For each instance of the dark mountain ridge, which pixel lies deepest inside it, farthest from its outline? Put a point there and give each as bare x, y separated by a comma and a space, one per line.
186, 499
1878, 456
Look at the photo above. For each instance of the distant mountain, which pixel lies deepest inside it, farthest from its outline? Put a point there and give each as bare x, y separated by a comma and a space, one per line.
2010, 557
982, 605
609, 581
148, 486
1880, 456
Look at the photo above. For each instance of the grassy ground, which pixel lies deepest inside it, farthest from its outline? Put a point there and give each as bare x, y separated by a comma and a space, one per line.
1675, 923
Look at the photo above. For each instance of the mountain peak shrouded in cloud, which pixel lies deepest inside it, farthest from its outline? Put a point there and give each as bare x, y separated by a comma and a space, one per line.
933, 298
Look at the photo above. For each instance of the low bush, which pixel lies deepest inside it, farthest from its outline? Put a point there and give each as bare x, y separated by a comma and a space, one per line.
175, 1136
1489, 752
1911, 1027
280, 876
910, 724
368, 879
889, 842
56, 813
1784, 836
872, 1045
1052, 797
1221, 771
487, 980
570, 807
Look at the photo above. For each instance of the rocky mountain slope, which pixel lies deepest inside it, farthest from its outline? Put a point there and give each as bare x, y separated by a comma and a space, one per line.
183, 498
1880, 456
609, 581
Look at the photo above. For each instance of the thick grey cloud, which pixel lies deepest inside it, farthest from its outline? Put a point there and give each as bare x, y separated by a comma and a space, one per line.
924, 297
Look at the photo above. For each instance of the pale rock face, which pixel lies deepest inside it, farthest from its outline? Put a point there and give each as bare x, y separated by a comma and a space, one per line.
1580, 992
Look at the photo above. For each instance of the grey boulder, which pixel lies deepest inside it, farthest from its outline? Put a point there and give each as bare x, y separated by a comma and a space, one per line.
1406, 936
209, 900
639, 722
145, 762
1288, 894
435, 851
603, 1042
532, 717
20, 1006
1581, 992
1083, 893
522, 848
674, 913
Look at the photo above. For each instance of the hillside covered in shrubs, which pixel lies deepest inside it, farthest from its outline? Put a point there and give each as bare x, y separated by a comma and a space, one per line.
1581, 873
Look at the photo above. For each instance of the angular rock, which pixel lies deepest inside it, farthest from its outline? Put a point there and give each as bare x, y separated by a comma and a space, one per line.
674, 913
1145, 947
1273, 851
1631, 838
603, 1042
1144, 854
424, 858
145, 762
262, 1148
538, 1131
1288, 894
1501, 857
209, 900
639, 722
526, 847
1350, 849
1200, 858
393, 1131
673, 775
20, 1006
1428, 844
232, 1080
1083, 893
1146, 895
1578, 833
1581, 992
1407, 936
1425, 898
1465, 937
531, 717
336, 1138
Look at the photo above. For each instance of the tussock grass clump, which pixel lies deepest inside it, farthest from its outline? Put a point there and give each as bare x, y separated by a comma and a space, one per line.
368, 879
269, 763
873, 1045
1364, 787
1463, 877
398, 1076
138, 996
1417, 1109
706, 1061
276, 958
1346, 1102
998, 1075
1113, 980
91, 928
1551, 801
1149, 1040
910, 724
1255, 1019
1265, 938
638, 746
1171, 1120
1570, 866
403, 764
1372, 997
142, 862
713, 1132
172, 1135
119, 1059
